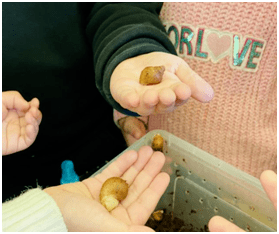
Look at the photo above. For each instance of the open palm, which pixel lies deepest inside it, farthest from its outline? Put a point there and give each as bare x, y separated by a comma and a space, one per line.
20, 122
179, 83
80, 205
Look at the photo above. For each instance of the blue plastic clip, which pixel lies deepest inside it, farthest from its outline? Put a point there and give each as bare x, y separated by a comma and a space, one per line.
68, 173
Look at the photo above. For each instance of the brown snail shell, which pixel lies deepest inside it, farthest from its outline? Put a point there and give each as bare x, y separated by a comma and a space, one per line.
152, 75
113, 190
158, 143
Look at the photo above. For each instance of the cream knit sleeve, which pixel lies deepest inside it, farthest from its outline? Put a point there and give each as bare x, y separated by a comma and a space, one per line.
33, 211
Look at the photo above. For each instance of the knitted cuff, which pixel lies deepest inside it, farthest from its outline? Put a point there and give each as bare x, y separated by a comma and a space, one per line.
32, 211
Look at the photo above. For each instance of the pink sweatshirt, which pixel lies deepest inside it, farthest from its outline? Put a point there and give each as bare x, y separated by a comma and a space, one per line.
233, 46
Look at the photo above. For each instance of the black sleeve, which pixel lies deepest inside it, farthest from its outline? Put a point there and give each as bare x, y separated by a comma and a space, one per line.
119, 31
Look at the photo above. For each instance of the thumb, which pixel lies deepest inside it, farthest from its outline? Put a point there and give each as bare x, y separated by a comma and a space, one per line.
200, 89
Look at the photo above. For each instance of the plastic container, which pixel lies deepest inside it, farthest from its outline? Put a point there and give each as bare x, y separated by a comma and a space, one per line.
203, 186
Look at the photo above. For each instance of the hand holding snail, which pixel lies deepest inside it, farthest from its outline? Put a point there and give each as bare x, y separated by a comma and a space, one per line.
115, 189
156, 82
81, 203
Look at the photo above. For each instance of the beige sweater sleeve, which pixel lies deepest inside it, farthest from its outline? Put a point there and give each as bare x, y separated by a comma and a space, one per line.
33, 211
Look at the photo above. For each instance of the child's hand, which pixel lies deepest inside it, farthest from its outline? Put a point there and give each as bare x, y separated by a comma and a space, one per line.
141, 170
20, 122
178, 84
269, 182
132, 129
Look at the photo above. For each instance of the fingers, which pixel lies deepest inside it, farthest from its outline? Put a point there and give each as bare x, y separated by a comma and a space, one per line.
150, 100
33, 119
178, 84
167, 101
14, 100
34, 116
116, 169
175, 93
164, 100
183, 93
219, 224
130, 99
200, 89
144, 156
147, 201
171, 98
28, 137
269, 182
146, 186
35, 102
37, 114
29, 128
144, 178
141, 170
167, 97
119, 167
146, 100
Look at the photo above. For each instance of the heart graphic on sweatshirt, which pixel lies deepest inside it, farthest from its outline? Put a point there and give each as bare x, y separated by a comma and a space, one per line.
218, 45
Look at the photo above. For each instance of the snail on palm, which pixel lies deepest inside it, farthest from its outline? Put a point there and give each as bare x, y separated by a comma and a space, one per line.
152, 75
112, 192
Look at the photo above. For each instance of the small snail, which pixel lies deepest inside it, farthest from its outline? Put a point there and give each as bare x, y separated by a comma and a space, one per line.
152, 75
158, 215
158, 143
113, 190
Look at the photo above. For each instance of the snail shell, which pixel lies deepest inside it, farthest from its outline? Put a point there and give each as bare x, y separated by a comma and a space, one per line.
152, 75
158, 143
113, 190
